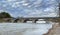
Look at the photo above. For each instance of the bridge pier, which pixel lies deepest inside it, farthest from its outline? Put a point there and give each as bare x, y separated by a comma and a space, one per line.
32, 20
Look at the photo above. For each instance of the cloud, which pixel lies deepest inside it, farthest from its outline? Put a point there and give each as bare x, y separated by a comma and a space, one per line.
50, 9
53, 14
3, 11
10, 0
41, 8
15, 5
25, 4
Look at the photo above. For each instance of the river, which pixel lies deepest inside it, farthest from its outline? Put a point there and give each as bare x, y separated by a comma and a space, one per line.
24, 28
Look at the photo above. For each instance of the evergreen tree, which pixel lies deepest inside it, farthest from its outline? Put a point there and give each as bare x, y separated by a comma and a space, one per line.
5, 15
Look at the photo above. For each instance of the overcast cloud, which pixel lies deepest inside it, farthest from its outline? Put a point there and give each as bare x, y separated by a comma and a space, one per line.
30, 8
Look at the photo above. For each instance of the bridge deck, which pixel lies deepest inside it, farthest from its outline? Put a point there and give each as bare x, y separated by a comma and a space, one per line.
41, 18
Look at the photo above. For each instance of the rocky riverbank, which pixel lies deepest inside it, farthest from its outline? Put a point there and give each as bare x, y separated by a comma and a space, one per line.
55, 30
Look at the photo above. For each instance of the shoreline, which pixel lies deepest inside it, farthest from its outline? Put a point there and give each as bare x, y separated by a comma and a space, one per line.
52, 30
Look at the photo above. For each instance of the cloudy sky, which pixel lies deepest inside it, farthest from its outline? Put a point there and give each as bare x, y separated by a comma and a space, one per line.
30, 8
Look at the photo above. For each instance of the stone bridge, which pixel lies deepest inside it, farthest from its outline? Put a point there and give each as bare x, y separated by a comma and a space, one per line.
24, 20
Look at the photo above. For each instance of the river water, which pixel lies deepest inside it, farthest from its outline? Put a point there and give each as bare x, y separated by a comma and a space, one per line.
24, 28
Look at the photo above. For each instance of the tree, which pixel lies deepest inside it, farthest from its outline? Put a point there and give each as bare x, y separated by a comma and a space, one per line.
5, 15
